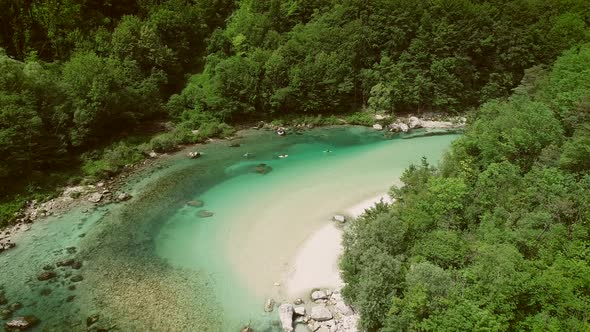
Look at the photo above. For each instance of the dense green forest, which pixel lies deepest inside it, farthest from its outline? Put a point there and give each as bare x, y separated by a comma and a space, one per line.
497, 237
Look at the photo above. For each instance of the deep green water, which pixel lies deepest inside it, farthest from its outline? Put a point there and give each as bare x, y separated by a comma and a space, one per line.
153, 264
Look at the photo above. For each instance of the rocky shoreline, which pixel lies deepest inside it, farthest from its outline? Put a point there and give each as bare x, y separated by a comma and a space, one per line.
86, 196
324, 311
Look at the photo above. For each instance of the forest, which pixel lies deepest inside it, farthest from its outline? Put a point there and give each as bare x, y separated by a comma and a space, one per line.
495, 238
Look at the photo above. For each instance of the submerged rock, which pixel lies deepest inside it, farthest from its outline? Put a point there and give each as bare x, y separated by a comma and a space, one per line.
263, 168
46, 275
66, 262
204, 214
21, 323
92, 319
286, 316
77, 278
269, 305
195, 203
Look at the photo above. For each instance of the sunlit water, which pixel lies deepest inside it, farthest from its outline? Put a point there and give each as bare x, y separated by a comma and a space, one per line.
153, 264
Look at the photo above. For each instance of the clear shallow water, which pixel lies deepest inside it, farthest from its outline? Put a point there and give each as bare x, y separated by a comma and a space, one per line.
153, 264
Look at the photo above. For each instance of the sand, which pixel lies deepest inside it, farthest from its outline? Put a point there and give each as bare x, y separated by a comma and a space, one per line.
315, 265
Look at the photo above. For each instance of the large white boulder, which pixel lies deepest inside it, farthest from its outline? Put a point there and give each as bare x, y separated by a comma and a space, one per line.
286, 316
377, 126
318, 295
414, 122
320, 313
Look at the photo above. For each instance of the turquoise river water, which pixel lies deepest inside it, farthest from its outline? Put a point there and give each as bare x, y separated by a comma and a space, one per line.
152, 264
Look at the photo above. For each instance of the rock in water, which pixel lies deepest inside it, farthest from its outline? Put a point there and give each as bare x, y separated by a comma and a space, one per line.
92, 319
123, 197
46, 276
234, 145
263, 169
320, 313
377, 126
246, 329
21, 323
204, 214
339, 218
194, 155
95, 198
195, 203
286, 317
269, 305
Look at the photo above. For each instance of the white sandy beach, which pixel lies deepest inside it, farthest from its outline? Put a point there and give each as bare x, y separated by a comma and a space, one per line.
316, 261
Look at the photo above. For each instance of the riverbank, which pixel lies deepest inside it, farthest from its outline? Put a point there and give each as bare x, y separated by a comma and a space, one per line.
107, 190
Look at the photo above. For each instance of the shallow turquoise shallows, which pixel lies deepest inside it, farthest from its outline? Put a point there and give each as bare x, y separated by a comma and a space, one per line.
158, 263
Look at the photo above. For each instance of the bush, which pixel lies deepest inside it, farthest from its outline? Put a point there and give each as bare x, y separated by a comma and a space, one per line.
361, 119
164, 142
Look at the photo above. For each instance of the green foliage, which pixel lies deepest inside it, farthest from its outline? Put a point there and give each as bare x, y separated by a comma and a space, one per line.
497, 238
360, 118
111, 160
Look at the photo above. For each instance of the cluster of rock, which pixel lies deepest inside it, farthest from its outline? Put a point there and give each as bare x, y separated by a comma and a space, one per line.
327, 313
406, 124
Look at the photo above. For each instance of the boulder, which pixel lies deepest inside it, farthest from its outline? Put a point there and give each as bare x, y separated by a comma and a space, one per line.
339, 218
246, 329
46, 275
269, 305
281, 131
299, 311
379, 117
95, 198
377, 126
320, 313
343, 308
6, 245
286, 316
204, 214
403, 127
153, 154
318, 295
298, 301
194, 155
414, 122
123, 197
21, 323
